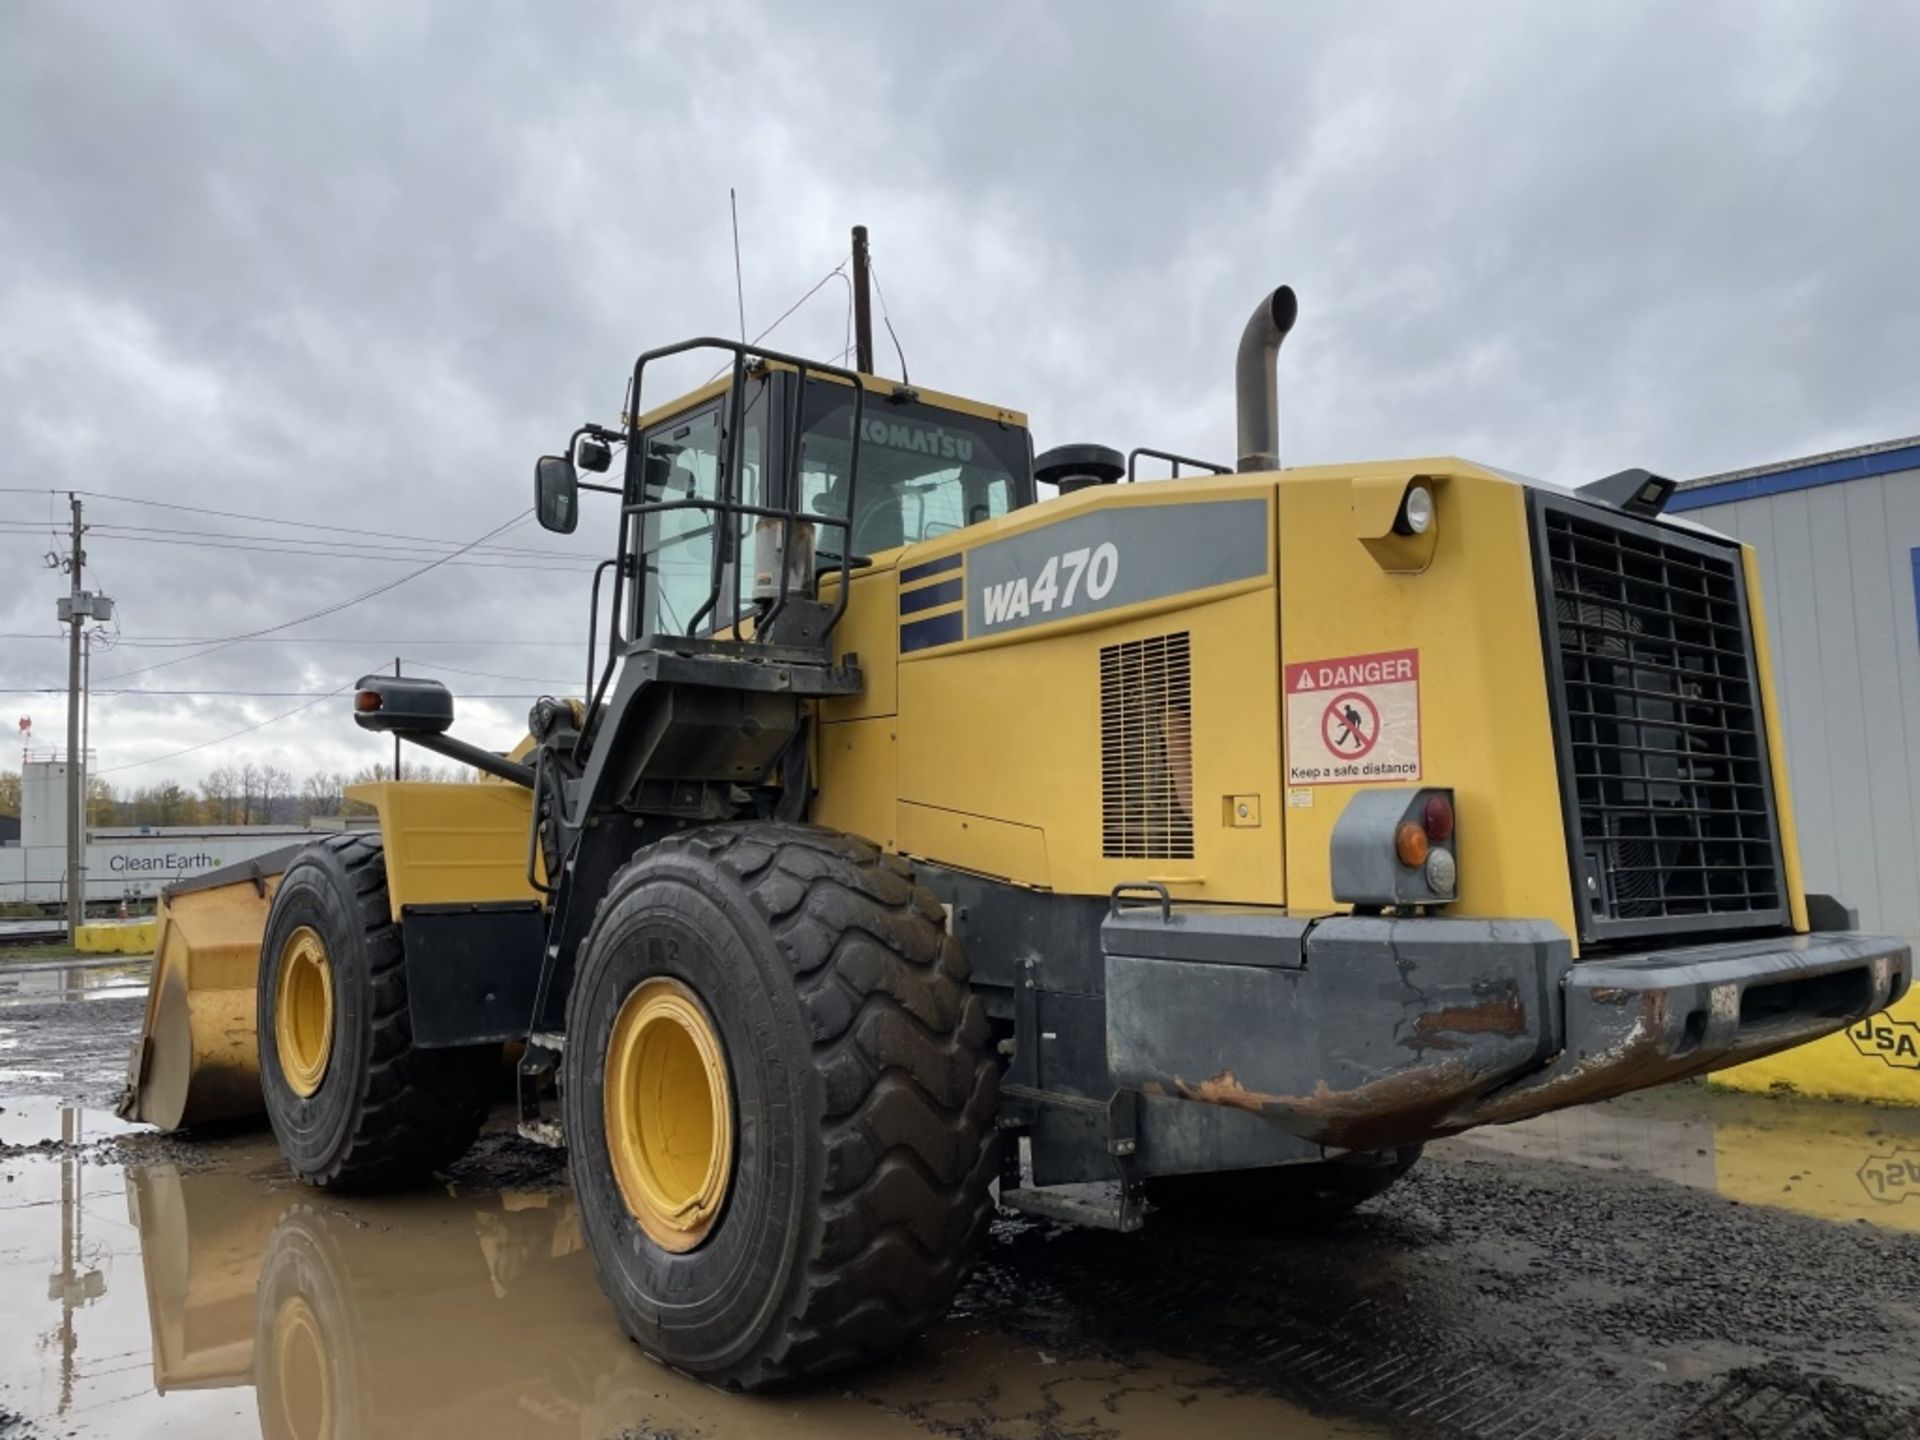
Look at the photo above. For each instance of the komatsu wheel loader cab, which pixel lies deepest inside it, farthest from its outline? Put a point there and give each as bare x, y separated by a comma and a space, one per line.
1216, 839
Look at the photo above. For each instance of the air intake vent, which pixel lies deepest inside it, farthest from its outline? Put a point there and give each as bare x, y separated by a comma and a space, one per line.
1663, 750
1146, 749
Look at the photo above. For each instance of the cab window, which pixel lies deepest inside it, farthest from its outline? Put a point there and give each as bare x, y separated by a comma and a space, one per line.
923, 471
680, 460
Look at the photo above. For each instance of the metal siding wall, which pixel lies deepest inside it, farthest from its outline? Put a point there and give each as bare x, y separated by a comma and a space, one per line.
1835, 564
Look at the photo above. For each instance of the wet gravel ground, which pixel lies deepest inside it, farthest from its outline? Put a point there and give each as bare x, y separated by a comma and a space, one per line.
74, 1049
1491, 1295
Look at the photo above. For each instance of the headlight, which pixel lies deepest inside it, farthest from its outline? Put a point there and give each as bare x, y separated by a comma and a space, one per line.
1416, 511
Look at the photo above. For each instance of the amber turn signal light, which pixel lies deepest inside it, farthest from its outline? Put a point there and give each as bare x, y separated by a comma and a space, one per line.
366, 701
1410, 844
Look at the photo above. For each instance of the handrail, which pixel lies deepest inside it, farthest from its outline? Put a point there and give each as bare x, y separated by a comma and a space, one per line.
1177, 461
726, 506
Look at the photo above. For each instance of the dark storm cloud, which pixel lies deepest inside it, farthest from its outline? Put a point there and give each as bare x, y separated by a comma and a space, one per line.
358, 264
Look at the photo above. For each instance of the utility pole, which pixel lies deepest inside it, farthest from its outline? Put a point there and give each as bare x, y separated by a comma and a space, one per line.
862, 306
76, 799
75, 608
396, 734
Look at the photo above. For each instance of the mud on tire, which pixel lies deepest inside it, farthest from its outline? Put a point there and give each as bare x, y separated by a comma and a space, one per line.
385, 1112
863, 1088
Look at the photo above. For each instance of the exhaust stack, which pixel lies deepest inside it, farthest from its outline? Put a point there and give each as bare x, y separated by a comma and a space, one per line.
1256, 391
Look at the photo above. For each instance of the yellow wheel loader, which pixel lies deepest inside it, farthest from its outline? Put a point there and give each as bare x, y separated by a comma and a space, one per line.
1212, 839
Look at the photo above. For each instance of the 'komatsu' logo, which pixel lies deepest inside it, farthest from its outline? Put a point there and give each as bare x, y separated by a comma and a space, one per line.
920, 439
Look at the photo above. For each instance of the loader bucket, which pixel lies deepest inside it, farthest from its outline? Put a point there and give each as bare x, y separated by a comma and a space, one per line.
197, 1058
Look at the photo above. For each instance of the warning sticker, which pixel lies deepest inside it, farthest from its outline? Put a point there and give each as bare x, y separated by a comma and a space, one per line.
1354, 720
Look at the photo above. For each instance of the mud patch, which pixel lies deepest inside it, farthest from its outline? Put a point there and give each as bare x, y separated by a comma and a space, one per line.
1775, 1402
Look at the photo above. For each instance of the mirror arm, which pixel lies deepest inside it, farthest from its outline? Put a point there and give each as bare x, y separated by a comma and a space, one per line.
483, 760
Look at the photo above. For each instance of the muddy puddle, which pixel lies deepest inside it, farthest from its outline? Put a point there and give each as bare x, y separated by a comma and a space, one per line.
1842, 1163
223, 1299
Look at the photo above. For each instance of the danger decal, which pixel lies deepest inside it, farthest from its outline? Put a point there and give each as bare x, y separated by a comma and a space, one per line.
1354, 719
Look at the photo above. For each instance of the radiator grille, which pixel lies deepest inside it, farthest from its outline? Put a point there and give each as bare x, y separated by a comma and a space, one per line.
1664, 756
1146, 749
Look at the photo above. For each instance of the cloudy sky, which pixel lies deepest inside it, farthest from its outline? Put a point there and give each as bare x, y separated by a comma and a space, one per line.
354, 266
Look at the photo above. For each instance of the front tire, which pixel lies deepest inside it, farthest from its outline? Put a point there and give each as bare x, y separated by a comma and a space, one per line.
796, 1181
353, 1102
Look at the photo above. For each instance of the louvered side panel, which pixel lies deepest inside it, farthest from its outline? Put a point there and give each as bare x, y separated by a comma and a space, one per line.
1146, 749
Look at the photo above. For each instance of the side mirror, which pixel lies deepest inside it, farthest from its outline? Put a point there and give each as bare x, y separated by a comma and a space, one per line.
412, 705
556, 494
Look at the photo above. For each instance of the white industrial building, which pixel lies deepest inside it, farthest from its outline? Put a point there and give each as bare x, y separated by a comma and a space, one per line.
122, 862
1838, 541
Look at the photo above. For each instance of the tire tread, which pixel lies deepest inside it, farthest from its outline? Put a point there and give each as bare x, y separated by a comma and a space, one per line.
422, 1109
909, 1083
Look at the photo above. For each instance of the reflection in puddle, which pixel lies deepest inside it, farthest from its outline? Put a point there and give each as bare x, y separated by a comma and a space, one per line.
1834, 1161
232, 1301
39, 984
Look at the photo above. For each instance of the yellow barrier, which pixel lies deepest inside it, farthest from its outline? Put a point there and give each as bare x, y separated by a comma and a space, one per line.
115, 937
1877, 1059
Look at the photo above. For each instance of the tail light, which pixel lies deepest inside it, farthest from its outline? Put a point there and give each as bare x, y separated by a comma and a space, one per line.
1396, 848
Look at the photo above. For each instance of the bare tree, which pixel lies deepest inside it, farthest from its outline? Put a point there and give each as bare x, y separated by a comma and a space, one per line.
276, 794
251, 784
221, 791
322, 793
165, 803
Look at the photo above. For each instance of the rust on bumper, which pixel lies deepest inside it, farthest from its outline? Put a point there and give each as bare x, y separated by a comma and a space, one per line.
1392, 1031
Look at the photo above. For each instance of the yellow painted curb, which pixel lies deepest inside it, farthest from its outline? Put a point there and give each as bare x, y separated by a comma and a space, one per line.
115, 937
1876, 1060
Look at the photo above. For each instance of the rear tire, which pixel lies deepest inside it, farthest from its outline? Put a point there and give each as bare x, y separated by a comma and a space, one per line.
860, 1088
375, 1110
1285, 1196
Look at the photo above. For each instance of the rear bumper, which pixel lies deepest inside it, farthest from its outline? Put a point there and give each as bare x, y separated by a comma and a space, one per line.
1356, 1032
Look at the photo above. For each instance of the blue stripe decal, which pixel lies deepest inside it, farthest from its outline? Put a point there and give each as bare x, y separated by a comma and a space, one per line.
1804, 477
935, 630
930, 597
932, 567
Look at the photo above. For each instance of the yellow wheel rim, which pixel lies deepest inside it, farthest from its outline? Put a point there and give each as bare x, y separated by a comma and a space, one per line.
300, 1372
303, 1011
669, 1113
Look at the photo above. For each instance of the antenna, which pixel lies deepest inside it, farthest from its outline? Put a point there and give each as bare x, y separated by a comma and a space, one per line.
739, 287
887, 320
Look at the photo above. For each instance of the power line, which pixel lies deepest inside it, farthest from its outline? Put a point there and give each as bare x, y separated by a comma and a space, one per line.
422, 547
278, 520
275, 694
582, 566
169, 641
221, 740
333, 609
